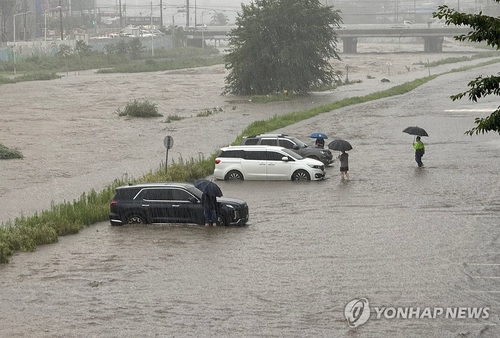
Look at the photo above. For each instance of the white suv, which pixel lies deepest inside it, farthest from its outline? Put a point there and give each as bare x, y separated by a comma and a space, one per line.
265, 163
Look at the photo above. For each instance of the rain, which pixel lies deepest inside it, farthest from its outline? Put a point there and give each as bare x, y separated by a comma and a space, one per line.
393, 239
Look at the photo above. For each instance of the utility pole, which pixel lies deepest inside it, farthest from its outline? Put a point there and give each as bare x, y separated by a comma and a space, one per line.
151, 30
121, 20
187, 13
60, 19
161, 15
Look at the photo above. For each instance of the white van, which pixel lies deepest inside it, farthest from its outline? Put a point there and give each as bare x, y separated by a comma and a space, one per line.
265, 163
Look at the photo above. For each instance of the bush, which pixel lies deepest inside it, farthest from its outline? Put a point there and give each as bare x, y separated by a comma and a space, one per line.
6, 153
140, 109
171, 118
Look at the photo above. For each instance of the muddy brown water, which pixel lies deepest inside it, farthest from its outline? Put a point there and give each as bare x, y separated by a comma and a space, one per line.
394, 234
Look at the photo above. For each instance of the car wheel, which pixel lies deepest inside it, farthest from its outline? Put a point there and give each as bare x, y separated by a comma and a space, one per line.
221, 221
234, 175
301, 175
135, 219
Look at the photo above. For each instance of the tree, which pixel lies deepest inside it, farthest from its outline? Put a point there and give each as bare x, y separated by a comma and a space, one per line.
219, 19
282, 45
82, 49
135, 48
487, 29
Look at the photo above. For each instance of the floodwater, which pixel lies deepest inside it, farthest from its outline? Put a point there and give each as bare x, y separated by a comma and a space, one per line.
397, 235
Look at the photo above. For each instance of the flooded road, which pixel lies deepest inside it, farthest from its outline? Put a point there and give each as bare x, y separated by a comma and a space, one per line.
397, 235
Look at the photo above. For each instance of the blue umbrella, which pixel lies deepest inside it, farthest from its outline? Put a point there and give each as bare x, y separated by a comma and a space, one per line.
318, 135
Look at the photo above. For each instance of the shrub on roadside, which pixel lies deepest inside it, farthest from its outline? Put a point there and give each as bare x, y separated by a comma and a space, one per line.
175, 117
6, 153
140, 109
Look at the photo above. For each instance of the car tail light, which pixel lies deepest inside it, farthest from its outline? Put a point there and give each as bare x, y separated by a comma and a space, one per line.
217, 161
113, 202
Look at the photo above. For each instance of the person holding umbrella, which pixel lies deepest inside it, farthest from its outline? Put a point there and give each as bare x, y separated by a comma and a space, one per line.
419, 145
209, 209
419, 151
344, 165
210, 192
342, 146
320, 143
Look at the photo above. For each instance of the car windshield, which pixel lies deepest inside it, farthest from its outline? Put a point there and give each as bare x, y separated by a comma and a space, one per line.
298, 142
293, 154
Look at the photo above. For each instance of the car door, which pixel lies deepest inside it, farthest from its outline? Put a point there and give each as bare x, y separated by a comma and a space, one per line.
254, 164
186, 208
277, 169
156, 202
172, 205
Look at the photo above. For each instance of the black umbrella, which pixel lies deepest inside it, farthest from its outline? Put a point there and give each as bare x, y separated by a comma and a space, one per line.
208, 187
415, 131
340, 145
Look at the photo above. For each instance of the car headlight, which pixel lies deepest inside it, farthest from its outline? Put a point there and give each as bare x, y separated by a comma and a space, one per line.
315, 166
323, 152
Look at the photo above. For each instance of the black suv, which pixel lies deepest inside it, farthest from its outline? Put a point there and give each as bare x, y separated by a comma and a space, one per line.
170, 203
292, 143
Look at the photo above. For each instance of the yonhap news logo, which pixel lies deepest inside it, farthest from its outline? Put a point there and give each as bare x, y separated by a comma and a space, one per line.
357, 312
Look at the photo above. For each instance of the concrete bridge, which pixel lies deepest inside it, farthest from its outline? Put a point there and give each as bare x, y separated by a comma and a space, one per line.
432, 36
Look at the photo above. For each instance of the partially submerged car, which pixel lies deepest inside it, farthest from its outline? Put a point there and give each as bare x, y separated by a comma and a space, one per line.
171, 203
266, 163
292, 143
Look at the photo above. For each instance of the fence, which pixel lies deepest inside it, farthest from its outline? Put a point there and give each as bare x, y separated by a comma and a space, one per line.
26, 49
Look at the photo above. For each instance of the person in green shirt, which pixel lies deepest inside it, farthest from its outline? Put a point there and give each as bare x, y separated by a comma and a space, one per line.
419, 151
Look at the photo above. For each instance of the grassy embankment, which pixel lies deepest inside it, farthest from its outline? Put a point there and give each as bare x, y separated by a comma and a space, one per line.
39, 68
27, 232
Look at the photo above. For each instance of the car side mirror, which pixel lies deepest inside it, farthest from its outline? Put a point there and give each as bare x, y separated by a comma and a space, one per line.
295, 147
193, 200
284, 158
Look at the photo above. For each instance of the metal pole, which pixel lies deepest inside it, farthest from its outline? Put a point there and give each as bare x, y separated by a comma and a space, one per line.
45, 27
161, 15
414, 11
121, 21
24, 28
60, 19
152, 34
187, 13
15, 49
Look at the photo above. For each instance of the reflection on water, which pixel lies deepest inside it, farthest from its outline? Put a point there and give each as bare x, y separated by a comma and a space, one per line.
395, 234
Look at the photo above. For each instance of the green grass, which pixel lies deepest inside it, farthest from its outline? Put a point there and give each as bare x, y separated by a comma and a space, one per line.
209, 112
482, 55
7, 153
35, 76
164, 65
140, 109
171, 118
26, 233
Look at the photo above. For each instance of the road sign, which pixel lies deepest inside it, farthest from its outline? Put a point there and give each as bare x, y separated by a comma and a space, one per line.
168, 142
